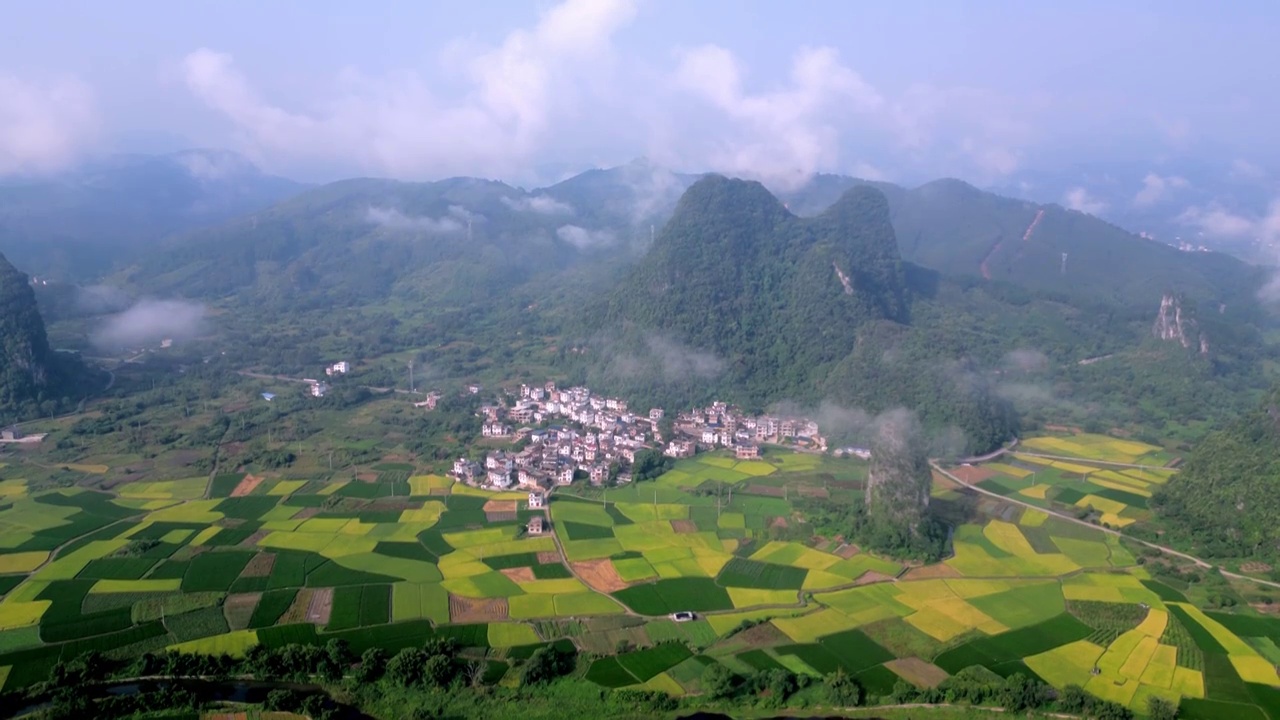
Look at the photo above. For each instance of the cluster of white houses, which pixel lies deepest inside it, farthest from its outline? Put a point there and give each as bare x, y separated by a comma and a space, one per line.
572, 433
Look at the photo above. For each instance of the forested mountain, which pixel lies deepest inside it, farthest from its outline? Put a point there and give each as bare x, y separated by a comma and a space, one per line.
952, 226
455, 241
1224, 502
798, 309
33, 378
76, 225
738, 297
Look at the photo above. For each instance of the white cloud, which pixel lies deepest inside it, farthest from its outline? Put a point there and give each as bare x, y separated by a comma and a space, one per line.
583, 238
1216, 221
1077, 198
1156, 188
43, 128
150, 321
540, 204
1244, 170
395, 220
396, 125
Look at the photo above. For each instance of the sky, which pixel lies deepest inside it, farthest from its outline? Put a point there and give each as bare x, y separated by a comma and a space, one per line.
531, 91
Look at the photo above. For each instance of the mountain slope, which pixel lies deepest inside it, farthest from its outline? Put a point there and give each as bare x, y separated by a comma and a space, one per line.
786, 302
104, 214
951, 226
33, 378
454, 241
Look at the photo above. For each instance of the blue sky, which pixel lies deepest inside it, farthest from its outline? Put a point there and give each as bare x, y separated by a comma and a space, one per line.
523, 91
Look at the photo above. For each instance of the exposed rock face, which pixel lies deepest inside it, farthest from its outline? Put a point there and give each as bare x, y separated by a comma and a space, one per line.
899, 478
1173, 325
27, 371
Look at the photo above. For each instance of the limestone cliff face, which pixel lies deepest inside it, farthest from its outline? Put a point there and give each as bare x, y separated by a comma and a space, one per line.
1173, 324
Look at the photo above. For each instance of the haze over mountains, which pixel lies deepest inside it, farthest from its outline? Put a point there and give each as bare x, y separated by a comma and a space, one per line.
945, 282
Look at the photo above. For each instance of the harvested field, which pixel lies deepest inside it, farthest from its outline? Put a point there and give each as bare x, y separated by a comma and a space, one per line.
871, 576
847, 551
810, 491
970, 474
297, 612
548, 557
307, 513
929, 572
476, 610
684, 526
599, 575
239, 607
320, 607
500, 506
1254, 566
765, 490
247, 485
917, 672
252, 540
260, 565
497, 517
520, 574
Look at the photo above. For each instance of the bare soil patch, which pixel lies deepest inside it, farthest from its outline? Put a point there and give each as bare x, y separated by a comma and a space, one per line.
548, 556
252, 540
917, 672
599, 575
780, 522
813, 491
684, 526
305, 513
468, 610
392, 505
497, 517
297, 612
871, 577
441, 491
1063, 429
320, 607
239, 608
847, 551
1253, 566
970, 474
520, 574
928, 572
247, 485
259, 565
500, 506
763, 635
367, 477
765, 490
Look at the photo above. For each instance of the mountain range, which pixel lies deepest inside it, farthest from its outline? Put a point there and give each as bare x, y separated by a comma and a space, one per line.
109, 212
944, 296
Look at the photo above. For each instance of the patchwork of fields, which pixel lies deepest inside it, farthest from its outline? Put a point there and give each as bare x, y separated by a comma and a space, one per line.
1110, 478
224, 565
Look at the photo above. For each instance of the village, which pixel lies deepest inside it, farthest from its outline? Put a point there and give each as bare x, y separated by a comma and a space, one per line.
569, 434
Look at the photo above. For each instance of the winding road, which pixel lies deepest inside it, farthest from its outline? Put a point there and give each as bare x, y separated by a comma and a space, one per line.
1062, 516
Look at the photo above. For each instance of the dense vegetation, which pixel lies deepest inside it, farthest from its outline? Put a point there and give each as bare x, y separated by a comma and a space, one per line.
1224, 502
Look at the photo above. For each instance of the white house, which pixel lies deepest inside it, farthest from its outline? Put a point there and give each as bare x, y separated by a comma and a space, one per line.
338, 368
499, 478
537, 500
318, 389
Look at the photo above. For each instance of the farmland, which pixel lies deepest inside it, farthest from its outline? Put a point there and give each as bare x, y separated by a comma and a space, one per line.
401, 554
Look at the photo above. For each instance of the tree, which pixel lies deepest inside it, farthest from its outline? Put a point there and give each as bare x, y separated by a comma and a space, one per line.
842, 690
1160, 709
405, 669
373, 663
545, 665
719, 681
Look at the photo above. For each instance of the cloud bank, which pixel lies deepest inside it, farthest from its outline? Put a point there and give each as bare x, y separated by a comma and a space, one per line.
561, 85
585, 239
44, 128
150, 321
392, 219
539, 204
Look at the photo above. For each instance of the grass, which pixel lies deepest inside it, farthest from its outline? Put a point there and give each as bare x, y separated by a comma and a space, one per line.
215, 571
197, 624
608, 672
744, 573
645, 664
235, 644
854, 650
667, 596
